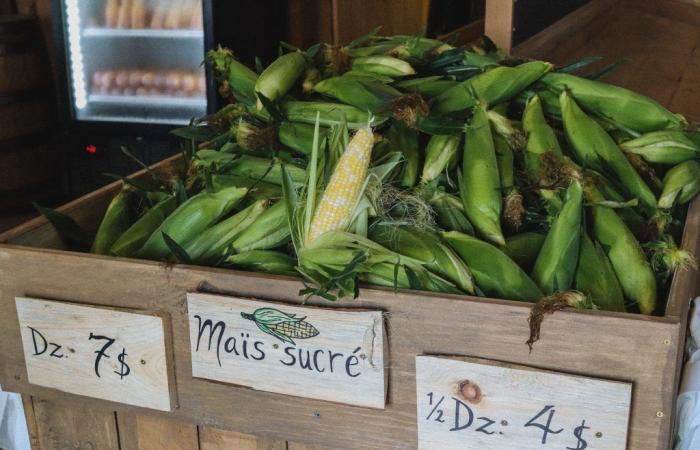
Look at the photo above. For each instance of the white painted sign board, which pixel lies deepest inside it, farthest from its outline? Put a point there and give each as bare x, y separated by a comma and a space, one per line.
320, 353
95, 351
468, 403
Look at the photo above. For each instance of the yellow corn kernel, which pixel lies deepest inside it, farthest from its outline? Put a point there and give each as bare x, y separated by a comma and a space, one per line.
336, 207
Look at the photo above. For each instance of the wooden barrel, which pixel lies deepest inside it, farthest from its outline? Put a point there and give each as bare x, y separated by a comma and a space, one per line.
28, 166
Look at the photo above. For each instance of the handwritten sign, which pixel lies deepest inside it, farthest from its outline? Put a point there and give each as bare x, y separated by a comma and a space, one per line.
93, 351
473, 403
320, 353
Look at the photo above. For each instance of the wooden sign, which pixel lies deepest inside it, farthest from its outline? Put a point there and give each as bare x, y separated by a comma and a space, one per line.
320, 353
94, 351
473, 403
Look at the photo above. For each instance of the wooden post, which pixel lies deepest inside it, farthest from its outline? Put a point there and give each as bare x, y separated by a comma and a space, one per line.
498, 23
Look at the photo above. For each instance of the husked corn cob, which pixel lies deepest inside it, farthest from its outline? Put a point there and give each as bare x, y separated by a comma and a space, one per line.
334, 211
480, 185
681, 184
115, 222
663, 147
279, 77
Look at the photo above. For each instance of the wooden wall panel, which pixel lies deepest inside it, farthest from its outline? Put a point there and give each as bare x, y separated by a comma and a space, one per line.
353, 18
65, 426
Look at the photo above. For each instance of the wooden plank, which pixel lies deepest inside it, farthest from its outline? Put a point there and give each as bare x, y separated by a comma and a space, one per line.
63, 425
30, 416
477, 403
354, 18
498, 22
96, 352
309, 22
216, 439
642, 350
320, 353
686, 98
298, 446
160, 433
573, 30
465, 34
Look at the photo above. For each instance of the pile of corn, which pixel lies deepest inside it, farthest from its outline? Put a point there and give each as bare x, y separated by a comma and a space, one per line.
406, 162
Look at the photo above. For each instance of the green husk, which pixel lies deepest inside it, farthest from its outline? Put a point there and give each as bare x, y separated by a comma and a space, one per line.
238, 78
427, 248
383, 65
663, 147
210, 247
480, 184
625, 108
330, 114
596, 278
523, 248
263, 169
404, 140
266, 261
137, 234
494, 272
279, 77
595, 149
270, 230
541, 138
298, 136
440, 154
428, 87
681, 184
555, 266
115, 221
190, 219
363, 94
491, 87
450, 212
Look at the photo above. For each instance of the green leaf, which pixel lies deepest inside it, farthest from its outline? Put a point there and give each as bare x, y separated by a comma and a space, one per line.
605, 71
291, 200
312, 51
362, 39
272, 316
177, 251
197, 133
577, 65
270, 107
139, 185
72, 234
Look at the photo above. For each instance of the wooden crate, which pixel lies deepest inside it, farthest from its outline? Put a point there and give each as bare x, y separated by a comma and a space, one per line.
618, 346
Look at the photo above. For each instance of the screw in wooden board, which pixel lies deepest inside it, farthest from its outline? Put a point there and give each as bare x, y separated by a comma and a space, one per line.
659, 414
143, 361
504, 423
317, 415
469, 391
599, 435
667, 342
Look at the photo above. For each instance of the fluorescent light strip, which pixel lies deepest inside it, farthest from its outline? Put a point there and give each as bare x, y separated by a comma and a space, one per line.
76, 53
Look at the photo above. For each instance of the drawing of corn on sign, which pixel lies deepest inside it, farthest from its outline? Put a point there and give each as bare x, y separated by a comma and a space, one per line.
283, 326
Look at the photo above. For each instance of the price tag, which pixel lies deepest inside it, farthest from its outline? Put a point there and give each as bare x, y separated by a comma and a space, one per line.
94, 351
473, 403
320, 353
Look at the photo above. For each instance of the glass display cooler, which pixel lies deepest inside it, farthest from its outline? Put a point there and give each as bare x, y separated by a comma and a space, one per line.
135, 61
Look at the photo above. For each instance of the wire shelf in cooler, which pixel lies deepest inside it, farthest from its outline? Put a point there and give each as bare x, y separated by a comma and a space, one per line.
143, 33
155, 101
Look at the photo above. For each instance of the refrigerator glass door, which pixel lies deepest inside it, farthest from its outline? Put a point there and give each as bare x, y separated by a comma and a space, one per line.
137, 61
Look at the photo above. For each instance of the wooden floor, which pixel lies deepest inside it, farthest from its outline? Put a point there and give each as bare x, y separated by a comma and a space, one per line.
659, 40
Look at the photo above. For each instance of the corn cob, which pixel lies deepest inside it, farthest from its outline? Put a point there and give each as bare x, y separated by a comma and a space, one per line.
299, 136
257, 190
491, 87
681, 184
335, 210
311, 77
137, 234
426, 248
210, 246
513, 209
367, 95
541, 139
595, 148
280, 76
268, 231
556, 263
263, 169
505, 128
266, 261
523, 248
115, 222
621, 106
480, 185
383, 65
494, 272
440, 154
450, 212
663, 147
330, 114
622, 248
190, 219
388, 275
238, 78
428, 87
404, 140
596, 278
